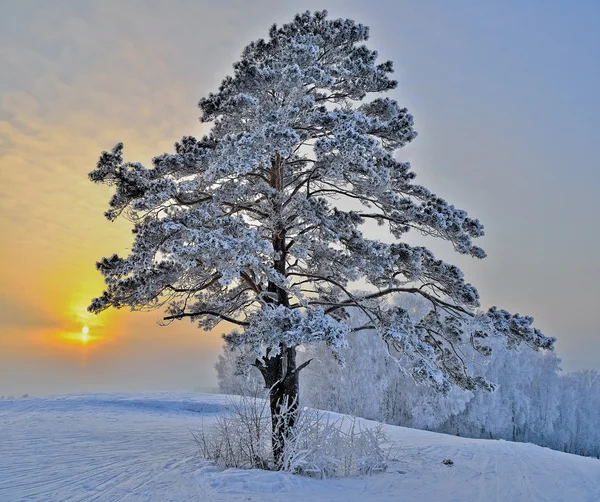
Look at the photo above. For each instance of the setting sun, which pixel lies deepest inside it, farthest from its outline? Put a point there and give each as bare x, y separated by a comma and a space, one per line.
83, 337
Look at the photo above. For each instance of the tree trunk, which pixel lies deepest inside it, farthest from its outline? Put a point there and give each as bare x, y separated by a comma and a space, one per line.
281, 378
280, 371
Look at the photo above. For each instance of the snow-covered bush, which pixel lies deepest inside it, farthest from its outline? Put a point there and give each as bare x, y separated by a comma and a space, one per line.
318, 445
324, 447
241, 437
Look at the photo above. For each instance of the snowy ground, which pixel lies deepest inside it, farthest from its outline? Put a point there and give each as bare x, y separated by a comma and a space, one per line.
110, 447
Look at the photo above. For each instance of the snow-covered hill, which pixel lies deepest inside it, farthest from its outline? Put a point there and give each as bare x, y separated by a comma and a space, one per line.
110, 447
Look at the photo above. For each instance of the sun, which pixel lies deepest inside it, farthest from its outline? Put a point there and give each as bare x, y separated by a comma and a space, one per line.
83, 337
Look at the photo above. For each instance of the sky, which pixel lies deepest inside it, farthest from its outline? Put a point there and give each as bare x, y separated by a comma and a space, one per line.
504, 96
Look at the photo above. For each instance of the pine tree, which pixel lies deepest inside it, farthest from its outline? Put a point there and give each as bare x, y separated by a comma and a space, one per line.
258, 224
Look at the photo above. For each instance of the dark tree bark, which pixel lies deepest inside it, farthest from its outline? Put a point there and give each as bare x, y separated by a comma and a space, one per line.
281, 378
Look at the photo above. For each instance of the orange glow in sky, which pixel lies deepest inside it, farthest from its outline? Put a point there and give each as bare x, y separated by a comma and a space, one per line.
75, 89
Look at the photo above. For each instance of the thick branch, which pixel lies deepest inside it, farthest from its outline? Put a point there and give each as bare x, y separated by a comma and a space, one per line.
206, 312
301, 367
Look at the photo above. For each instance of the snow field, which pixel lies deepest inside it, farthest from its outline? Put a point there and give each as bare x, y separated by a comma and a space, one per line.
112, 447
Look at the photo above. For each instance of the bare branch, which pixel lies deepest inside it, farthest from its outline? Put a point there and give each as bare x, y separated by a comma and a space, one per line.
206, 312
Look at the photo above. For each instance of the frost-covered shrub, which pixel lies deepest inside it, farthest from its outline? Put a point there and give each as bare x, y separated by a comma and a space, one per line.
324, 447
240, 438
317, 445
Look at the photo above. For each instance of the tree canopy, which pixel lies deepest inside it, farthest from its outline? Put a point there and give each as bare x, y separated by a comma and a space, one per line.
260, 222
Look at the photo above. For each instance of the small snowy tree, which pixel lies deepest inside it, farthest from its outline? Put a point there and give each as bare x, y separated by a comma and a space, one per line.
258, 224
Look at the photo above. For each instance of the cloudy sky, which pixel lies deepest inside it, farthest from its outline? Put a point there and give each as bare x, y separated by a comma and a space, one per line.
505, 100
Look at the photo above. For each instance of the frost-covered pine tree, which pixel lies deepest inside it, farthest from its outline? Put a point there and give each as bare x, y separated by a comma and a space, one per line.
258, 224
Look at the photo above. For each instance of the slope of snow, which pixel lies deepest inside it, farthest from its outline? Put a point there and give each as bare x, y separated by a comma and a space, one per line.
111, 447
